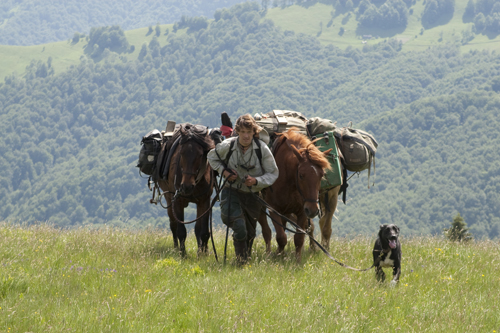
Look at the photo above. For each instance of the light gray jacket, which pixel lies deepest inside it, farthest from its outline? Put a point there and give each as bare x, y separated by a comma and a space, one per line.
245, 164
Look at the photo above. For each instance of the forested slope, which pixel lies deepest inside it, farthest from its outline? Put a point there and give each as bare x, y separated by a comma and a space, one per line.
437, 157
33, 22
70, 142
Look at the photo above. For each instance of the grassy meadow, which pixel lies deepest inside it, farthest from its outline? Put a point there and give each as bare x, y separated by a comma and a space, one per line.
114, 280
15, 59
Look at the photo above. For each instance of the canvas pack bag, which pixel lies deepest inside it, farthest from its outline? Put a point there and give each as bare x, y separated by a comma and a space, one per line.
316, 126
151, 146
280, 121
358, 149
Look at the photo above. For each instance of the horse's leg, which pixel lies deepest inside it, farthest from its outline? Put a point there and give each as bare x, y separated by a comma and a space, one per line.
280, 232
173, 223
181, 228
266, 231
330, 200
298, 238
201, 227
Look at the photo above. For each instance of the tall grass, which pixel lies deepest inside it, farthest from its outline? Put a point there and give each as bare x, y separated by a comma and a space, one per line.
117, 280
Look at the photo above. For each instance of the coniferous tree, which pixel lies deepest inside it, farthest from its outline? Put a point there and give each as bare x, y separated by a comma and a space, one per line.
458, 232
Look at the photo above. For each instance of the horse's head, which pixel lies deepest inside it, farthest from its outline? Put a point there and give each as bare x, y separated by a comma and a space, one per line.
194, 146
310, 171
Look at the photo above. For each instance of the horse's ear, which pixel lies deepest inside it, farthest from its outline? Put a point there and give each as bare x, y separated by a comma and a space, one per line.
326, 152
296, 152
183, 129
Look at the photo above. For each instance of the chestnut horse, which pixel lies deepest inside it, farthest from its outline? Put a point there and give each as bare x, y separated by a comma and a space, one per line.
301, 167
190, 179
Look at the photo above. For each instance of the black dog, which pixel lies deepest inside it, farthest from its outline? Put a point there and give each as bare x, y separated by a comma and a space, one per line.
387, 252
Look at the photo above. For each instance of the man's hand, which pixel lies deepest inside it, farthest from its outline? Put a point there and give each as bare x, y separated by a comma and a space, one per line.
230, 176
250, 181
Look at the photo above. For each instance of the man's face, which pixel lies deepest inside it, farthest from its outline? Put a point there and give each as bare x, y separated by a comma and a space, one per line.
245, 136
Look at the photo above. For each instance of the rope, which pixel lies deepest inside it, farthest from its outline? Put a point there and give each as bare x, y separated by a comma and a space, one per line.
229, 216
299, 230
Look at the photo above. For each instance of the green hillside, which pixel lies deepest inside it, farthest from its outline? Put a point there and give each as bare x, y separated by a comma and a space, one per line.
437, 157
70, 140
313, 18
324, 21
34, 22
64, 54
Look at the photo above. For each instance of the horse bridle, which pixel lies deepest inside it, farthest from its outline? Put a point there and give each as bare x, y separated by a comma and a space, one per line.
198, 173
300, 191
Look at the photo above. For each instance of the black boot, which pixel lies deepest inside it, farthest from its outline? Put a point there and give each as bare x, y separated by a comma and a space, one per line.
241, 251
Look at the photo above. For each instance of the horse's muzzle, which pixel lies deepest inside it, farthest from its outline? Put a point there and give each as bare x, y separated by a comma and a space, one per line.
186, 189
311, 212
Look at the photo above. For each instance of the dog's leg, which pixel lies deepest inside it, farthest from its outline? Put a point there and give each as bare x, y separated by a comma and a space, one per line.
396, 272
380, 274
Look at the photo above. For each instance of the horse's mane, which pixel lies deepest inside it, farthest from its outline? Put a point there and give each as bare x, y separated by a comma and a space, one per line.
196, 133
306, 147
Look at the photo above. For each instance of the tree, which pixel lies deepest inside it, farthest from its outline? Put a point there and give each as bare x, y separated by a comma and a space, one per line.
392, 14
469, 11
435, 10
112, 38
458, 232
76, 38
143, 52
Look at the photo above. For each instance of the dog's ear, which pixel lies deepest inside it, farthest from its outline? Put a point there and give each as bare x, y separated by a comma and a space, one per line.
381, 230
397, 229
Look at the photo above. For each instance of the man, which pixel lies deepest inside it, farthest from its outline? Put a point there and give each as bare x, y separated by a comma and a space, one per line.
249, 166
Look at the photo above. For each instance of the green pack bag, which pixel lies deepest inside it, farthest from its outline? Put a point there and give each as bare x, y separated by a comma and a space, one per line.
333, 177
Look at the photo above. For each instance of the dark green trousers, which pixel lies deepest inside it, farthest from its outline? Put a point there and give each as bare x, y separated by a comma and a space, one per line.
244, 212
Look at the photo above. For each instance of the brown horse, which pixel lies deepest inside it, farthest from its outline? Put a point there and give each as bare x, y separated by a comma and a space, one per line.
295, 192
190, 179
